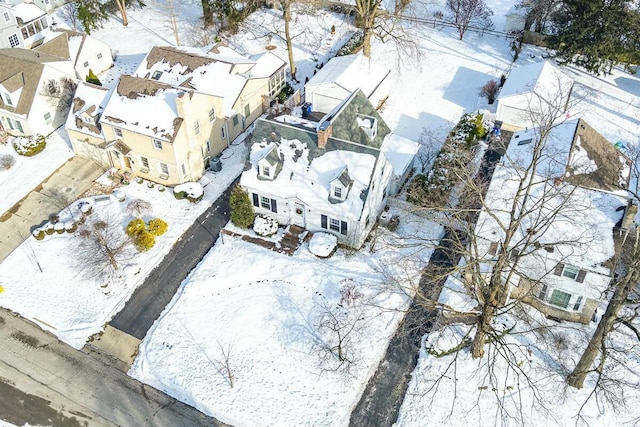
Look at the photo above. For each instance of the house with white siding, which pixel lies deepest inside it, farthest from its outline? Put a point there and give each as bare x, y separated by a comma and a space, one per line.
22, 24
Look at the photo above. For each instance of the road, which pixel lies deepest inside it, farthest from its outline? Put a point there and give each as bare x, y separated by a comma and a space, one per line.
150, 299
46, 382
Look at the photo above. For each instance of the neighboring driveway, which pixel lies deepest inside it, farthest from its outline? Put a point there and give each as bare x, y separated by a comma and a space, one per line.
150, 299
46, 382
66, 184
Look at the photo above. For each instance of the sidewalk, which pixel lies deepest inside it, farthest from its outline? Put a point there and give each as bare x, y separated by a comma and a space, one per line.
70, 180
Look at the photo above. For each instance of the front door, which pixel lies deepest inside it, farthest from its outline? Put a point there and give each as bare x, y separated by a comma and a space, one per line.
127, 162
299, 215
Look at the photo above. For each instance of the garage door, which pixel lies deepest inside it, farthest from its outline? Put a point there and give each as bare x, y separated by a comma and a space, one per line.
515, 117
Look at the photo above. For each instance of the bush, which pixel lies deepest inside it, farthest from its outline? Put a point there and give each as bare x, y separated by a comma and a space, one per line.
354, 43
31, 146
490, 90
135, 227
157, 227
92, 78
242, 214
179, 194
38, 233
264, 225
7, 161
144, 241
138, 207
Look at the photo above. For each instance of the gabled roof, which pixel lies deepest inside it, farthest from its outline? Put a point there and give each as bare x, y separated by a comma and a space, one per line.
23, 67
272, 157
543, 78
344, 178
145, 106
350, 72
209, 73
27, 12
64, 43
88, 101
266, 64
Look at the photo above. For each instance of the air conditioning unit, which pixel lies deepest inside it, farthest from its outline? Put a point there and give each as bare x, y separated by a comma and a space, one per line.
215, 164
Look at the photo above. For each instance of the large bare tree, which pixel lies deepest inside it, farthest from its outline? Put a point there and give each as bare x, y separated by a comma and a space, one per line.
467, 13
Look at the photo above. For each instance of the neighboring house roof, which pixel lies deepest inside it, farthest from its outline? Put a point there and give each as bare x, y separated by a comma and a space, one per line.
350, 72
400, 152
266, 64
576, 170
27, 12
145, 106
88, 104
542, 78
64, 43
209, 73
23, 68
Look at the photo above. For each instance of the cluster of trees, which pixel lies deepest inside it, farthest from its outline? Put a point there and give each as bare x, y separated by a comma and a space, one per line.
90, 14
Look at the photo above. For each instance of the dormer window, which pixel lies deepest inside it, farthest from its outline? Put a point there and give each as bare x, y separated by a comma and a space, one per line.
270, 165
266, 171
368, 124
339, 186
337, 192
7, 99
156, 75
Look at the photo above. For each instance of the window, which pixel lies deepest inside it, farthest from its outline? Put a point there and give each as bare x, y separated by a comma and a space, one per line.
196, 127
265, 202
10, 123
559, 298
47, 118
493, 248
45, 24
7, 17
25, 33
576, 305
222, 133
337, 192
37, 26
266, 171
203, 153
145, 162
212, 115
157, 144
247, 110
570, 272
117, 132
7, 99
235, 120
208, 147
99, 55
86, 64
334, 224
156, 75
18, 125
13, 40
184, 169
164, 169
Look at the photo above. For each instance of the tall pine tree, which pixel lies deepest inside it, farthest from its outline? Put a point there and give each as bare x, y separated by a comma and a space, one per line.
593, 34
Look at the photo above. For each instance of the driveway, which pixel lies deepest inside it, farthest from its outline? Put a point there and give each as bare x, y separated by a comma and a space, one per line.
66, 184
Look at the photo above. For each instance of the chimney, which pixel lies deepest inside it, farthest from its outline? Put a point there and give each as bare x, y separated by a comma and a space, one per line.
324, 133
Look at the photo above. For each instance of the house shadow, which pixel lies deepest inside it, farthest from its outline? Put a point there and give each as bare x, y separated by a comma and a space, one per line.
628, 84
464, 88
413, 127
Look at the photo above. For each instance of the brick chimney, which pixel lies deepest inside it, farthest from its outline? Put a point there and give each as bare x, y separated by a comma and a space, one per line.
324, 133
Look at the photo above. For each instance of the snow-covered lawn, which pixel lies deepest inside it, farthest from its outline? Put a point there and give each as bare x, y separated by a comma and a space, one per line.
28, 172
44, 282
265, 307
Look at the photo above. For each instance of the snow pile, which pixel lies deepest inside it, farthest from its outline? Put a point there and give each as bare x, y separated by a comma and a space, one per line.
192, 190
322, 244
265, 225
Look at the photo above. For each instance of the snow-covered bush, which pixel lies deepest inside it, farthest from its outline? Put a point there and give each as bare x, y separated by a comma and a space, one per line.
7, 161
30, 146
38, 233
323, 245
192, 191
356, 40
265, 225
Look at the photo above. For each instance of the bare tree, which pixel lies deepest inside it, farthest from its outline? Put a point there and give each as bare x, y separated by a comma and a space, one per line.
467, 13
538, 13
59, 92
69, 12
286, 13
104, 245
225, 364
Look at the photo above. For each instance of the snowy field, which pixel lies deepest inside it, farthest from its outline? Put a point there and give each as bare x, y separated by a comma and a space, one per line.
45, 282
266, 308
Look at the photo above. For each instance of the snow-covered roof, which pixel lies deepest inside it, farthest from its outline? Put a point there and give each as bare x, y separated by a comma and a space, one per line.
543, 78
400, 152
145, 106
27, 12
350, 72
266, 64
570, 173
210, 73
88, 103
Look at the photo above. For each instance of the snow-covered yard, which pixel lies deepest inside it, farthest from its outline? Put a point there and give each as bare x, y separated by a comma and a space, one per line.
265, 309
45, 282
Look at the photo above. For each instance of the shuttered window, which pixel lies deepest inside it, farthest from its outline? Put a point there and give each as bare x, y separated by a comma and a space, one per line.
570, 272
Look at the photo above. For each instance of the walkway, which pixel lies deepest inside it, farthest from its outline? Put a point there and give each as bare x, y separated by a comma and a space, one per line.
51, 196
288, 243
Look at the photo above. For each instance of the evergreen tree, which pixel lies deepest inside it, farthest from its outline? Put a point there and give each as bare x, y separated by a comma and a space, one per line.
593, 34
92, 78
241, 208
91, 14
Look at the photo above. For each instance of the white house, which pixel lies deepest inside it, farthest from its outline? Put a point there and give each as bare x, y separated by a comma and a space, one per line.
561, 253
86, 52
33, 86
21, 24
536, 87
48, 5
333, 175
343, 75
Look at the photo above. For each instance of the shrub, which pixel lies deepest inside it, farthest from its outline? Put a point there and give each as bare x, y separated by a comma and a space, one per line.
31, 146
7, 161
59, 227
150, 184
157, 227
264, 225
139, 180
38, 233
179, 194
48, 228
135, 227
490, 90
242, 214
92, 78
144, 241
353, 44
138, 207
